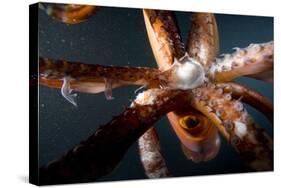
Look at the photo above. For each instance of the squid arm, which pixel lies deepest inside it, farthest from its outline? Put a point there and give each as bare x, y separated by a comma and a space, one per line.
203, 38
250, 97
251, 142
149, 147
69, 14
150, 154
164, 37
93, 78
100, 153
254, 61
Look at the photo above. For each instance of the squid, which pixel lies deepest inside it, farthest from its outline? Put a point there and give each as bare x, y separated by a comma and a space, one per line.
192, 86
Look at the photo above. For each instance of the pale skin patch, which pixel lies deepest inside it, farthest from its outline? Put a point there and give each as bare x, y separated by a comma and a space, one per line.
66, 91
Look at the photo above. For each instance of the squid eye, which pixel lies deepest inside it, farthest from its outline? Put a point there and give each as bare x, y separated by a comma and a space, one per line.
189, 122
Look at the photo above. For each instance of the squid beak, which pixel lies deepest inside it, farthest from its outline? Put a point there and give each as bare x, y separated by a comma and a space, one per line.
200, 140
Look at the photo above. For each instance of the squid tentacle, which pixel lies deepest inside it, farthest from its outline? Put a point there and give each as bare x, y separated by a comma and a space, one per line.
101, 152
149, 147
236, 125
91, 78
151, 156
164, 37
248, 96
203, 39
255, 61
69, 14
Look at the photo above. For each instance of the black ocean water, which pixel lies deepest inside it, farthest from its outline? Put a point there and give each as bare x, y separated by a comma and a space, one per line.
117, 36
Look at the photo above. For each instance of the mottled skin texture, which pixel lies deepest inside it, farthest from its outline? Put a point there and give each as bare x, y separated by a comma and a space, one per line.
164, 37
151, 157
219, 101
53, 71
203, 41
102, 151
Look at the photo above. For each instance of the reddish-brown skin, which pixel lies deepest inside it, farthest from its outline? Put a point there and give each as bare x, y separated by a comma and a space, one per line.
250, 97
71, 14
52, 73
164, 37
203, 35
219, 103
151, 157
100, 153
229, 115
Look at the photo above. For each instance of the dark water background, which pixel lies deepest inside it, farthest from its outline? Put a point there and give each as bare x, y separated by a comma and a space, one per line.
117, 36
